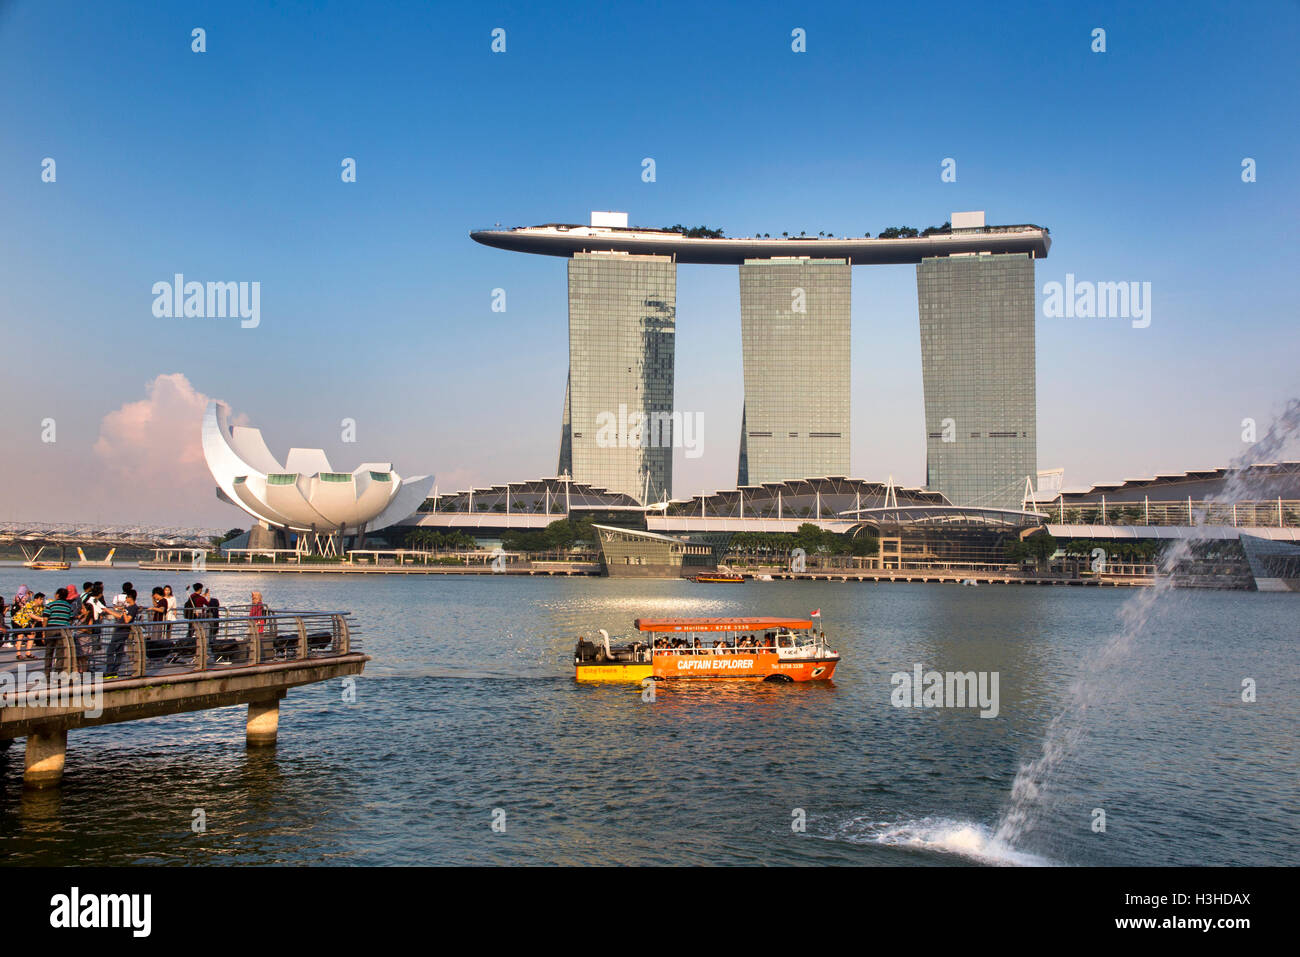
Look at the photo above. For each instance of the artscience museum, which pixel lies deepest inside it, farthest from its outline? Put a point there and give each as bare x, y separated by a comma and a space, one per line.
303, 504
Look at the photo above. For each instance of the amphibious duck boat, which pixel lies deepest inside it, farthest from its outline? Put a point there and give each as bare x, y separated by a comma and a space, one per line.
746, 649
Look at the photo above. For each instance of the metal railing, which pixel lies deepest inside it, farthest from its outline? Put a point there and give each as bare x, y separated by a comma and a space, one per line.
1274, 513
151, 648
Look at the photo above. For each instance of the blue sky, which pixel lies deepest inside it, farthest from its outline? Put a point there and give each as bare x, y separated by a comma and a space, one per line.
376, 305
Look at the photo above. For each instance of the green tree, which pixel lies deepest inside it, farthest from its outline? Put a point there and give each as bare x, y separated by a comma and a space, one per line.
809, 537
560, 534
864, 545
1040, 547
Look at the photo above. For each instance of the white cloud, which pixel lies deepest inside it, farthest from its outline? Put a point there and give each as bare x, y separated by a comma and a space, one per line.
152, 453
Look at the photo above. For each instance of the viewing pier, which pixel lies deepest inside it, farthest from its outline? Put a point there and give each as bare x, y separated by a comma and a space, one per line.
83, 677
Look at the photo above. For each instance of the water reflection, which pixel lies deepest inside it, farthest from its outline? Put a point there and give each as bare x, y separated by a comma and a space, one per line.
39, 810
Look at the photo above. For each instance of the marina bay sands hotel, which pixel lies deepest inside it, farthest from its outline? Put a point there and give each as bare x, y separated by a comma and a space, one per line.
975, 289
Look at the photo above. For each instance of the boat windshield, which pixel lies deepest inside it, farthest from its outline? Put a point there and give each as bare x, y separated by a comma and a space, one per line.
742, 642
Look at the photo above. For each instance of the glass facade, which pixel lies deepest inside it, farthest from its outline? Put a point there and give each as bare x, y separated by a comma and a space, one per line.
795, 338
617, 428
977, 366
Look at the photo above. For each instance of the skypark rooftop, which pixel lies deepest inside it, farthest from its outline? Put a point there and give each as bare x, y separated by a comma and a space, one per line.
559, 239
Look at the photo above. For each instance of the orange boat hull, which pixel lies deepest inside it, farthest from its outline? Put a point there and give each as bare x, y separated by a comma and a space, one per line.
732, 667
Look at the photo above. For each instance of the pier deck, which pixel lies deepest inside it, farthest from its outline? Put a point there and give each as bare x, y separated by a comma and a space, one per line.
83, 677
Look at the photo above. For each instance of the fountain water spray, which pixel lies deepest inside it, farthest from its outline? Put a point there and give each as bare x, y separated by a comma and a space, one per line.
1030, 789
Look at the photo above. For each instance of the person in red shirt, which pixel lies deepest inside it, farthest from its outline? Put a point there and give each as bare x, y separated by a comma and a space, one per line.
195, 606
198, 599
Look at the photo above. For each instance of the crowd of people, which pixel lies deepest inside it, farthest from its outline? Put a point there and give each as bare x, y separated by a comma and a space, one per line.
33, 617
745, 643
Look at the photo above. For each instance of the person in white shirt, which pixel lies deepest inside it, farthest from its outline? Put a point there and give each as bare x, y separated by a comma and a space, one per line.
172, 612
94, 600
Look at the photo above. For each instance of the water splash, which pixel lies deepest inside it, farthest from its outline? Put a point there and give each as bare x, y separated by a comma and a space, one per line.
1031, 790
942, 836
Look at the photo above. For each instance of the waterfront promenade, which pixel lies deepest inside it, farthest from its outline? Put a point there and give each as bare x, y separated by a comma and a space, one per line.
594, 569
920, 576
564, 569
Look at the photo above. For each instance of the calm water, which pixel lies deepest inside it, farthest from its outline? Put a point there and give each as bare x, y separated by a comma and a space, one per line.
469, 706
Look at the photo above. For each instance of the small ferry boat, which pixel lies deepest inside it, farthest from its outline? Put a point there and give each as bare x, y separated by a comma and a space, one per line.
747, 649
48, 566
719, 579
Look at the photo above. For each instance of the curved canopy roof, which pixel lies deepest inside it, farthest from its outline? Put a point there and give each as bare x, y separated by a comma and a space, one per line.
945, 515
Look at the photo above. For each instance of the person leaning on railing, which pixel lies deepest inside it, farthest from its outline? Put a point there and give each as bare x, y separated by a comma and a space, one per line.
58, 615
158, 611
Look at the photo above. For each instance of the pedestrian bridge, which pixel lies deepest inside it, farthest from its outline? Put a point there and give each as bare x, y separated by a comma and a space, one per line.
68, 534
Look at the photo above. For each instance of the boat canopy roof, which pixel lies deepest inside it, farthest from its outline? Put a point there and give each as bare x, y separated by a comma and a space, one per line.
721, 624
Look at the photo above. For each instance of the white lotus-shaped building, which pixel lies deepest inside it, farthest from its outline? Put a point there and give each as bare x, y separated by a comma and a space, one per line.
304, 494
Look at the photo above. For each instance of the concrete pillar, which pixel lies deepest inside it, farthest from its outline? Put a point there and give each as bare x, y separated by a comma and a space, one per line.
44, 758
263, 722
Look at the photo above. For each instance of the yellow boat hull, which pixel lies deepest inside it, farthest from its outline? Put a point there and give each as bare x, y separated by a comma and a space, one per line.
630, 672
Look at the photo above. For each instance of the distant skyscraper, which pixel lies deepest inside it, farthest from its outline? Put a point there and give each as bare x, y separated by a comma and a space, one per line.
977, 366
794, 329
617, 428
